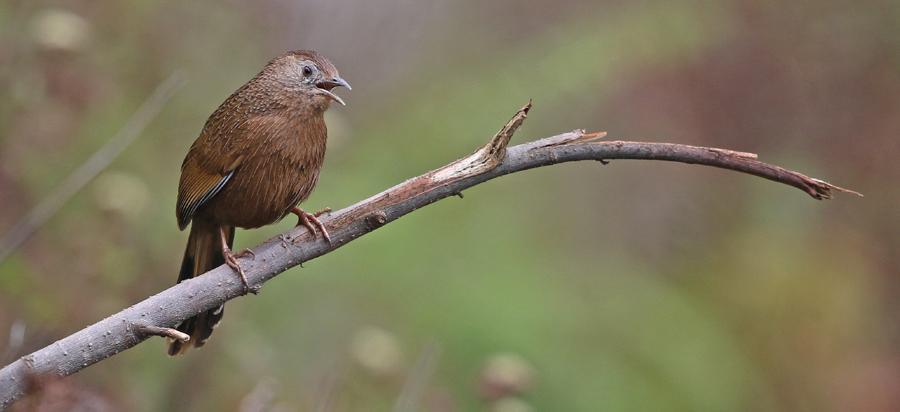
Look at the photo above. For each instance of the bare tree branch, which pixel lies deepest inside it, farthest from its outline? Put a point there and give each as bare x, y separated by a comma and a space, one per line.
165, 309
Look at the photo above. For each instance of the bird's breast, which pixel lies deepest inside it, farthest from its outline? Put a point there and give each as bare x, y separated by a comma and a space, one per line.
272, 179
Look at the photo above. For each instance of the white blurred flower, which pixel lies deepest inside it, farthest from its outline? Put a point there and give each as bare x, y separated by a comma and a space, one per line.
121, 193
60, 29
506, 374
376, 350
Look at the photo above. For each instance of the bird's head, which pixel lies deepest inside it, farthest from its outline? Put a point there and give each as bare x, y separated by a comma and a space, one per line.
310, 74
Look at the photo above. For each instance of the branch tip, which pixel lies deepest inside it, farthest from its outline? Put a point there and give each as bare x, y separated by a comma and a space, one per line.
823, 189
496, 148
487, 157
589, 137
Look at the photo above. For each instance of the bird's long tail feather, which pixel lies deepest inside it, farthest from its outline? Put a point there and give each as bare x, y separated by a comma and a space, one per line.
202, 254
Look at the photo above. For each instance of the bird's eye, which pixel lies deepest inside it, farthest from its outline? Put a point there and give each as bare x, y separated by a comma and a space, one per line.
307, 71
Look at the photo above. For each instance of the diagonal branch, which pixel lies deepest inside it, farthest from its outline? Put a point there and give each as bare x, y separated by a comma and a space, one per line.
165, 309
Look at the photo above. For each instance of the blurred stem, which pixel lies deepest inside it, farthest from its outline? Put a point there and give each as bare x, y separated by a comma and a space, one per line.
98, 162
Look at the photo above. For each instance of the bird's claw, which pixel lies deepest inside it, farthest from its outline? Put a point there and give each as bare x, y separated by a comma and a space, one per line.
311, 222
231, 261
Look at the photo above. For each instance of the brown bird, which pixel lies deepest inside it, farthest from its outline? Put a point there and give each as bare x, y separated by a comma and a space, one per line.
257, 158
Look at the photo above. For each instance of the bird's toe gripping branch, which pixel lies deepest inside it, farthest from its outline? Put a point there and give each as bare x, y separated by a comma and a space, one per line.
311, 222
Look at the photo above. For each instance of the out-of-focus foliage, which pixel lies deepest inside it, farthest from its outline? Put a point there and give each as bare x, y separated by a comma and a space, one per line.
634, 286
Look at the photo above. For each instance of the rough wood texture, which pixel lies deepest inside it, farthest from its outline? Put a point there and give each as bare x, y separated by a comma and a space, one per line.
119, 331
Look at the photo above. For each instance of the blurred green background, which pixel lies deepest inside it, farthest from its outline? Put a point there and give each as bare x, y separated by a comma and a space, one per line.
639, 286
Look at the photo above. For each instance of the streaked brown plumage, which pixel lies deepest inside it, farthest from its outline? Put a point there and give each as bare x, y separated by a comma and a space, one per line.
258, 156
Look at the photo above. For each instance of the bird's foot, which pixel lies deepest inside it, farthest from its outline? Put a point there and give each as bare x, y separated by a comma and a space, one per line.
231, 261
311, 221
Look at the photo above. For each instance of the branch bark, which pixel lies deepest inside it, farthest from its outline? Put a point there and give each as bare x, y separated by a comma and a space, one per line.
129, 327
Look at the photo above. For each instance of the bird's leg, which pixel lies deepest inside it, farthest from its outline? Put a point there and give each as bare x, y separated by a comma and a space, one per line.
311, 221
231, 261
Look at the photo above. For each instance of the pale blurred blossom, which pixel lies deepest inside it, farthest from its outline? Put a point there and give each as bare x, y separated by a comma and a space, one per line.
506, 374
121, 193
60, 29
376, 350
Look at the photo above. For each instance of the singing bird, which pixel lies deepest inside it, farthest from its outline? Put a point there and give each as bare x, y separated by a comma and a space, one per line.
257, 157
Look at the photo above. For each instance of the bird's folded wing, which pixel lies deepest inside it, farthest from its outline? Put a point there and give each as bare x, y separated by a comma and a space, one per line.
198, 185
213, 159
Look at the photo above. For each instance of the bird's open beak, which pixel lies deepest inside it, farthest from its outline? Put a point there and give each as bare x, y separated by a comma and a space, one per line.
326, 85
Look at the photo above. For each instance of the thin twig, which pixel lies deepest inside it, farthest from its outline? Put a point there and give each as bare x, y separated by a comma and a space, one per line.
177, 303
99, 161
151, 330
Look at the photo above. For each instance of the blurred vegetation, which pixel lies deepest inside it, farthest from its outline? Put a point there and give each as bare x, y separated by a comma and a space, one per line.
635, 286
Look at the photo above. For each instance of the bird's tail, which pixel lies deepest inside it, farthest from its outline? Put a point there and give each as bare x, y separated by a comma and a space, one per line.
202, 254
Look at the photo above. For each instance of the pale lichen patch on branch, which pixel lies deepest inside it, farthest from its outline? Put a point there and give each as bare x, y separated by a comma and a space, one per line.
577, 136
734, 153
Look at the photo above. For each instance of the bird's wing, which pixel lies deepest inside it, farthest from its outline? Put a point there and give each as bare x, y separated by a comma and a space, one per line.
203, 175
214, 158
